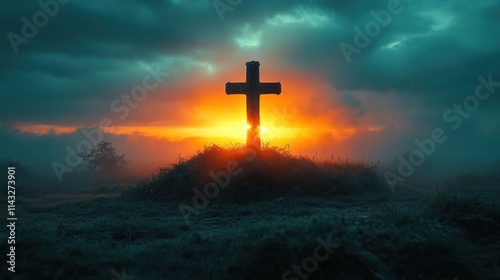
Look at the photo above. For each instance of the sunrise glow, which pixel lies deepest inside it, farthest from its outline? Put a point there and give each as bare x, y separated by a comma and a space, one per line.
210, 116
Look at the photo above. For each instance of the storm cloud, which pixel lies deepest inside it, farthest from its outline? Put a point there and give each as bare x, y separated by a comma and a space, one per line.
422, 61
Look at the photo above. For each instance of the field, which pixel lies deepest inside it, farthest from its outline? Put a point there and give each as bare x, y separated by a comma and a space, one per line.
451, 232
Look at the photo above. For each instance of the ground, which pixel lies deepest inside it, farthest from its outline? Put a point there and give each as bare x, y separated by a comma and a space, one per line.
442, 234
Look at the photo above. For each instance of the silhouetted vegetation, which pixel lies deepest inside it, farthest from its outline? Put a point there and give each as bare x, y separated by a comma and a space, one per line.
257, 175
102, 162
102, 171
381, 236
451, 233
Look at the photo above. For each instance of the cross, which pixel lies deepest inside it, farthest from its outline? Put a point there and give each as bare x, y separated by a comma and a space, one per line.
253, 88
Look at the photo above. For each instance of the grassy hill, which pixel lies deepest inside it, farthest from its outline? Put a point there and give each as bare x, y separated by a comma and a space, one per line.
275, 216
246, 175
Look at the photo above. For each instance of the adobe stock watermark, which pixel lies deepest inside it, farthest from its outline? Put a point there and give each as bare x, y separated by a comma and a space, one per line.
30, 28
222, 179
223, 6
454, 117
122, 107
310, 264
122, 276
211, 190
373, 28
278, 118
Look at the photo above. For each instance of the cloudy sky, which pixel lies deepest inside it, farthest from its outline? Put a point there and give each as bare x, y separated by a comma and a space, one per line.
359, 78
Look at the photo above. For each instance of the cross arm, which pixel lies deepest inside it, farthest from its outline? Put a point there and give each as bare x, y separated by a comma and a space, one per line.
236, 88
270, 88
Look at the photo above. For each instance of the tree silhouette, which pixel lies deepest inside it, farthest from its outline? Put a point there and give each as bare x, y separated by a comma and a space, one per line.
103, 160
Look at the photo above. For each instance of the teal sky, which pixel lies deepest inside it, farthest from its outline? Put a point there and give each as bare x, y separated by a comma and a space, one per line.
421, 62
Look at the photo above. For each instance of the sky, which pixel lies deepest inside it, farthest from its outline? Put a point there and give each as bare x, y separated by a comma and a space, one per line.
389, 81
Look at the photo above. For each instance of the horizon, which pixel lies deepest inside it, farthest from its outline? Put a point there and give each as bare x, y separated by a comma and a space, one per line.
362, 143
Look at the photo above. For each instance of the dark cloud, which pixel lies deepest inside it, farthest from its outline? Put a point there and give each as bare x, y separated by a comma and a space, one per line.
425, 60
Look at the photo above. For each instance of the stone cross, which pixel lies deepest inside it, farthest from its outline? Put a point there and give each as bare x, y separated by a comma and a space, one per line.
253, 88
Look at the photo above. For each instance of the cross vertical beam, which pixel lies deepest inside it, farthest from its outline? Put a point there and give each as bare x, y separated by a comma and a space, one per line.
253, 88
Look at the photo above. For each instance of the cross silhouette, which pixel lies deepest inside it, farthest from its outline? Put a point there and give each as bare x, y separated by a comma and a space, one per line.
253, 88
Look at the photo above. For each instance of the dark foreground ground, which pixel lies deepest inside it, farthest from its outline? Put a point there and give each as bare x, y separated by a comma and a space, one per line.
452, 234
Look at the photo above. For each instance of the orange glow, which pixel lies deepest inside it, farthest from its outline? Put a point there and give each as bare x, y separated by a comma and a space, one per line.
308, 116
42, 129
177, 133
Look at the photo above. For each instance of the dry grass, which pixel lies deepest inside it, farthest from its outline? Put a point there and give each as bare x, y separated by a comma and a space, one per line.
381, 235
266, 174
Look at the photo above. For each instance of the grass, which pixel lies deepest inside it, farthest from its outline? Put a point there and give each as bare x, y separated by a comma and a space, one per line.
452, 233
264, 174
